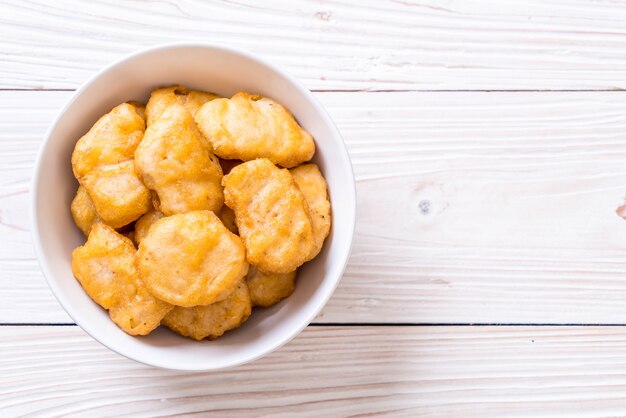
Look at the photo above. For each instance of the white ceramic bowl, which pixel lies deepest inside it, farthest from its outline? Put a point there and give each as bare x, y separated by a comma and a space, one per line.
224, 71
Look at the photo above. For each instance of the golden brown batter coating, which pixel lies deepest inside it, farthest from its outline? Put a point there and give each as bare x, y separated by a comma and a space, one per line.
83, 211
153, 173
105, 267
191, 259
315, 190
247, 126
118, 194
164, 97
211, 321
143, 224
107, 151
112, 139
267, 289
175, 161
272, 215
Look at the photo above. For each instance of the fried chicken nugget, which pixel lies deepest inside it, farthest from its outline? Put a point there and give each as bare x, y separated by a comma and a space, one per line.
112, 139
272, 215
118, 194
248, 126
83, 211
313, 186
191, 259
267, 289
211, 321
175, 161
105, 268
164, 97
107, 150
143, 224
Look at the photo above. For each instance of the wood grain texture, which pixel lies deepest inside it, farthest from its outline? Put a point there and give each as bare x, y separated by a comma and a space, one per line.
331, 371
472, 207
342, 44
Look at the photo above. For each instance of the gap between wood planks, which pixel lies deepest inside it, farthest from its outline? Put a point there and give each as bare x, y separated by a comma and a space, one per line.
377, 324
614, 90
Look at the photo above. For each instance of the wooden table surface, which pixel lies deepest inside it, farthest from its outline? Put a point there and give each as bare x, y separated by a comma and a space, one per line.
488, 274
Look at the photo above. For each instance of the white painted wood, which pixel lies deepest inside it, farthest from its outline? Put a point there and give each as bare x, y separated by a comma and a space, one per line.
520, 190
373, 44
473, 208
328, 371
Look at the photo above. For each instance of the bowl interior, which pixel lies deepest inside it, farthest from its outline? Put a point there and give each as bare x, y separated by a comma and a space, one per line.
224, 72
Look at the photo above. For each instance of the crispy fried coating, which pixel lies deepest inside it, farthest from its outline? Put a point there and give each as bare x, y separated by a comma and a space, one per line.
83, 211
174, 161
102, 161
313, 186
140, 108
191, 259
153, 173
227, 216
143, 224
211, 321
118, 194
248, 126
112, 139
105, 267
272, 215
164, 97
267, 289
194, 100
141, 313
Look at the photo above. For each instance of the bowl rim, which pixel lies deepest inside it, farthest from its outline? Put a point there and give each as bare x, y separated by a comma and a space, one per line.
350, 202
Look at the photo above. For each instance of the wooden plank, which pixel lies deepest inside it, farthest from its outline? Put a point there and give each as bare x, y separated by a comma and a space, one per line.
365, 45
486, 208
336, 371
472, 208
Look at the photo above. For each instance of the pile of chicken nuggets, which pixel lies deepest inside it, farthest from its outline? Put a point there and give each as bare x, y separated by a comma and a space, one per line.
196, 209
